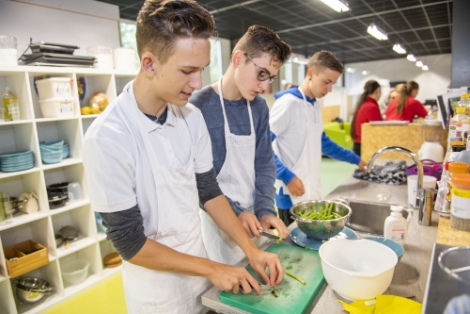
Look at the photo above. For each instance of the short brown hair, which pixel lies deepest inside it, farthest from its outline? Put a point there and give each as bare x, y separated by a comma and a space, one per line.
325, 59
259, 40
161, 22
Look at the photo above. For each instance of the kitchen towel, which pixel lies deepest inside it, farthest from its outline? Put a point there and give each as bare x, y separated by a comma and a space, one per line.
393, 173
383, 304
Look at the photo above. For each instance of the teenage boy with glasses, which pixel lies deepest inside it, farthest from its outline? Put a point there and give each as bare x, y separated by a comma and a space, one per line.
238, 121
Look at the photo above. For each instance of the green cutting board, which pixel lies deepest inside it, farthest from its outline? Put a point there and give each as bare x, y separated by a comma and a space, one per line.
293, 297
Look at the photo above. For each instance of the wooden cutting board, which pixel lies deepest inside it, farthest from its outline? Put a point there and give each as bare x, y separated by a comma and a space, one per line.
293, 297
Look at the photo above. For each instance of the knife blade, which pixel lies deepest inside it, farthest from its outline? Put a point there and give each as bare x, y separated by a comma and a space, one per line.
270, 235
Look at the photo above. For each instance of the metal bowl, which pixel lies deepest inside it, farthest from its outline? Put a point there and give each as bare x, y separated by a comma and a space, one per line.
31, 290
321, 229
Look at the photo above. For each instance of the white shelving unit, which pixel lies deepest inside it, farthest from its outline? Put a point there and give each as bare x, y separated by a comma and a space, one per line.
40, 227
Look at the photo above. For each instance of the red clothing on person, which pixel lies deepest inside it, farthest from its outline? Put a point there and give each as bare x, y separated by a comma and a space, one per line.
369, 111
411, 109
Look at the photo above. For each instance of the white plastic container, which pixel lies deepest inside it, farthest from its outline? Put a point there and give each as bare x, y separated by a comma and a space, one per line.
8, 51
395, 226
54, 87
56, 107
76, 271
103, 56
429, 182
124, 59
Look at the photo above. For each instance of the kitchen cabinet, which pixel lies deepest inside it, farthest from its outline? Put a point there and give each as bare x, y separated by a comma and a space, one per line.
41, 227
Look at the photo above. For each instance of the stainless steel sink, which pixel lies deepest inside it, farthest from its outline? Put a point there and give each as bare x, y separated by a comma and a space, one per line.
370, 217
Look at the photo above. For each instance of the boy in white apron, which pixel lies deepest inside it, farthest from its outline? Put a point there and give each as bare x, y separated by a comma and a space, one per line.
237, 118
148, 163
298, 137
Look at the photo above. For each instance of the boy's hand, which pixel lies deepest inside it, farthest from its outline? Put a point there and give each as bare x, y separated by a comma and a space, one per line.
250, 223
362, 165
296, 187
272, 222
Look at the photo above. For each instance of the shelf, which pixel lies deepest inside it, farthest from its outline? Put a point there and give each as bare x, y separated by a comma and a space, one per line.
101, 236
89, 116
41, 227
75, 246
89, 281
63, 163
5, 123
23, 219
108, 272
4, 175
69, 206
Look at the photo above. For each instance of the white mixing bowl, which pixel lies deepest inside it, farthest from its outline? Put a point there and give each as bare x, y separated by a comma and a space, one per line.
357, 269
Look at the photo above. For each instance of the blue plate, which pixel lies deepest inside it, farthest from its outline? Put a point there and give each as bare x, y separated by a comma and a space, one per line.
395, 246
301, 238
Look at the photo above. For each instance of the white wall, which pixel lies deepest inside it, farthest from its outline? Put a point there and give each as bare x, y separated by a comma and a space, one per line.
432, 83
83, 23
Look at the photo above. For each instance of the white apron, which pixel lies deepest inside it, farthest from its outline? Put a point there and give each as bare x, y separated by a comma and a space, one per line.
236, 180
150, 291
307, 167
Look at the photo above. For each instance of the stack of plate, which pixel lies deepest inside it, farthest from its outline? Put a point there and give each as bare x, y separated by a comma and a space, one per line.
65, 151
51, 153
16, 161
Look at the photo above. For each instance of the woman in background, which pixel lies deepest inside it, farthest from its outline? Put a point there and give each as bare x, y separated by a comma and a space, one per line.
367, 110
404, 106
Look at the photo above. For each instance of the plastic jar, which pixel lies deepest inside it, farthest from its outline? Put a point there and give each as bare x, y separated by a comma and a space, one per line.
460, 207
124, 59
103, 56
8, 51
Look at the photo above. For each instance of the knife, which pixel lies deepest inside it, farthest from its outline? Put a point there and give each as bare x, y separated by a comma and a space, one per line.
270, 235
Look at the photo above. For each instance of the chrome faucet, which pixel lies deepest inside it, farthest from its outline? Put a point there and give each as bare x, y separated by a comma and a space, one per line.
422, 195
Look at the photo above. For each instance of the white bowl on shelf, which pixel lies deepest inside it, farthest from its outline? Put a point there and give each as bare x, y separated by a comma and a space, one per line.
75, 272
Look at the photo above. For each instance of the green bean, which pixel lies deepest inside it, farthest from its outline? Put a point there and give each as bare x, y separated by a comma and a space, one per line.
296, 277
325, 213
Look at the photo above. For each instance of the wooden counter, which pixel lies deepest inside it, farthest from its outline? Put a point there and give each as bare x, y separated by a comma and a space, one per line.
451, 236
374, 137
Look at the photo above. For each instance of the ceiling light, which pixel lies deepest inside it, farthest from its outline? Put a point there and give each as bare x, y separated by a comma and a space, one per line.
411, 57
419, 63
377, 32
425, 68
337, 5
350, 70
365, 72
399, 49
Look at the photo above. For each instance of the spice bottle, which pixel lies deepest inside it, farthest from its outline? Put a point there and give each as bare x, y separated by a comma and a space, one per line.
460, 207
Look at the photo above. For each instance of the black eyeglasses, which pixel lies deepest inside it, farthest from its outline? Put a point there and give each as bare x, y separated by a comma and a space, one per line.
263, 75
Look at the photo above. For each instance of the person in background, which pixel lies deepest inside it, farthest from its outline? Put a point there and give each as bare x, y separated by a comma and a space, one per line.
148, 162
367, 110
298, 137
238, 121
404, 106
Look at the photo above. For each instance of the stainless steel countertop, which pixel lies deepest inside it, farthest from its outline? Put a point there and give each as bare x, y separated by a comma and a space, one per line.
411, 272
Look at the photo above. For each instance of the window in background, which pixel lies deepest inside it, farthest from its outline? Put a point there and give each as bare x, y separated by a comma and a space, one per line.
216, 68
127, 31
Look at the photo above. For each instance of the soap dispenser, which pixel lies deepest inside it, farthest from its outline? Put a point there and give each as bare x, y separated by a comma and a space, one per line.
395, 225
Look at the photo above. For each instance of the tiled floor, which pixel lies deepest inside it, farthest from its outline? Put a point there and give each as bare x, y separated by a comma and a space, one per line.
107, 297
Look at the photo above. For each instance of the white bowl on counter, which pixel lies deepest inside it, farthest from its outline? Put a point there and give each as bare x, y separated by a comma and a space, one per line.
357, 269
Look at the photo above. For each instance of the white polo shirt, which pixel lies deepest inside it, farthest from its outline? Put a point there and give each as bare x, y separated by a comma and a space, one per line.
287, 120
117, 167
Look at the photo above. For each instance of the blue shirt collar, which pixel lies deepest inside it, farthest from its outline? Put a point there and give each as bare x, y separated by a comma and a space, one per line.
296, 92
